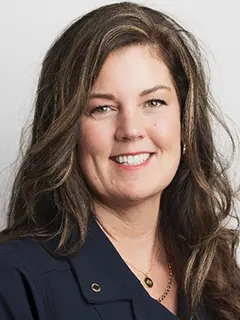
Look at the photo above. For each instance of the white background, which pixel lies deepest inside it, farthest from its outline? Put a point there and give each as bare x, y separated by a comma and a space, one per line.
28, 27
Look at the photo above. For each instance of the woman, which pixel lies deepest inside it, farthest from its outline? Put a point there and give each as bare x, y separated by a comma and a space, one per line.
117, 209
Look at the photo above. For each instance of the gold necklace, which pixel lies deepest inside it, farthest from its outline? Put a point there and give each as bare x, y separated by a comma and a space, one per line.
149, 282
169, 284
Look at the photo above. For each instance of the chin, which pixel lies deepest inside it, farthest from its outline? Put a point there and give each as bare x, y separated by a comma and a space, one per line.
136, 196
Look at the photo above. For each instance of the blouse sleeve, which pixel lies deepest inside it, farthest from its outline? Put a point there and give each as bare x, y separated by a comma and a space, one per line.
17, 292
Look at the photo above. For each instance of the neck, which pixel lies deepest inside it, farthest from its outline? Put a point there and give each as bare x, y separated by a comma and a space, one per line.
133, 231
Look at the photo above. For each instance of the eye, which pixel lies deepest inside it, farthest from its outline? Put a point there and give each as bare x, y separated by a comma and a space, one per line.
100, 110
155, 103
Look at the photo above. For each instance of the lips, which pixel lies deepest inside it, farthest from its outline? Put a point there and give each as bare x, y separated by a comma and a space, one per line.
132, 159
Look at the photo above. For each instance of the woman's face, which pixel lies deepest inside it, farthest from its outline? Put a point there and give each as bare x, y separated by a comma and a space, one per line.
130, 144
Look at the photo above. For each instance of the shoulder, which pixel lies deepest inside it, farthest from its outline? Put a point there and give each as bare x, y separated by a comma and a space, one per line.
28, 254
24, 290
25, 263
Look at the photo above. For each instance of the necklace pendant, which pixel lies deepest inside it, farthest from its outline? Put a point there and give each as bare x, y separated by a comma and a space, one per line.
148, 281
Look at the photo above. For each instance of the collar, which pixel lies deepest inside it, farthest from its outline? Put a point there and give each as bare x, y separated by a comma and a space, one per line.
98, 262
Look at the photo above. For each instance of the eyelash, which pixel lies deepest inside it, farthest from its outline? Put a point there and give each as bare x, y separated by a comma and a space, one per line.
95, 110
158, 100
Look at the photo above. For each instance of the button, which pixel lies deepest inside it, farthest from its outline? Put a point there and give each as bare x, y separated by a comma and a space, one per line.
95, 287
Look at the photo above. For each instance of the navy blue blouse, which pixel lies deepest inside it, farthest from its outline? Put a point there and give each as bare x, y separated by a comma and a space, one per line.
95, 284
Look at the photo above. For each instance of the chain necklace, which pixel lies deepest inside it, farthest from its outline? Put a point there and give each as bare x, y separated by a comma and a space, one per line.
149, 282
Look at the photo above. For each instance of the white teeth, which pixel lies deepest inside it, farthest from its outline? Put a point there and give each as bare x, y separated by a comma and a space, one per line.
132, 160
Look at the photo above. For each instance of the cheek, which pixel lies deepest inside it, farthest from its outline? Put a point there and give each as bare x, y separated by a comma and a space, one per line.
166, 132
94, 141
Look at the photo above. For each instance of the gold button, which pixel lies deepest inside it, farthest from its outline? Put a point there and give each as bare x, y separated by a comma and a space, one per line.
95, 287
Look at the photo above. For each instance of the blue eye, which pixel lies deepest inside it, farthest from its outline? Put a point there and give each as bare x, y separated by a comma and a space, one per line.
156, 103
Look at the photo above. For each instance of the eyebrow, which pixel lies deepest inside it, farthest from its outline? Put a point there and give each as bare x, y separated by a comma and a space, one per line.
145, 92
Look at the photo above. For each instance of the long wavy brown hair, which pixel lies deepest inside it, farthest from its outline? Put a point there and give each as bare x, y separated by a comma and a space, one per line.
49, 195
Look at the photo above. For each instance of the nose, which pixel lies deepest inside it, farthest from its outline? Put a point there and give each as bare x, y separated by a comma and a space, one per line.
130, 126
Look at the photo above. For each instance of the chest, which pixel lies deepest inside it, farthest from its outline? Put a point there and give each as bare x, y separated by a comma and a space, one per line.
68, 300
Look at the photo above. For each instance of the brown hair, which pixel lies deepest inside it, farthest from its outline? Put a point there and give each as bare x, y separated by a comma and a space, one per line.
49, 196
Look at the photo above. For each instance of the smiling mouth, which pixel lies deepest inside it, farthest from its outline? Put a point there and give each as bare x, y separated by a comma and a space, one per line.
132, 160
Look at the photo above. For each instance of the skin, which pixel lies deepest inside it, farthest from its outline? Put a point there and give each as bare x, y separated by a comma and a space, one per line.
127, 198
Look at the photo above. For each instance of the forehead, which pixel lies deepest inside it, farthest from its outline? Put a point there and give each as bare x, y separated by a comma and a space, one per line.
133, 68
